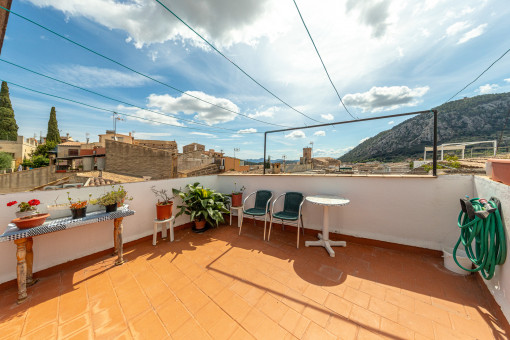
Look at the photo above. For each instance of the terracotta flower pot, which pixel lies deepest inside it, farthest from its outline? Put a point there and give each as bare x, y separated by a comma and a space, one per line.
199, 224
30, 221
237, 200
164, 211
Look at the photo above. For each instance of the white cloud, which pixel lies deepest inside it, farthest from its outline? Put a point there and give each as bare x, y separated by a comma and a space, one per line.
372, 13
250, 130
147, 117
207, 113
296, 134
235, 135
487, 88
335, 153
150, 135
94, 77
320, 133
457, 27
205, 134
364, 139
391, 122
328, 116
386, 98
475, 32
148, 22
269, 113
507, 80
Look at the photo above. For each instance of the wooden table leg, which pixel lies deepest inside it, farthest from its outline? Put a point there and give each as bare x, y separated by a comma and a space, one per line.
30, 262
117, 237
21, 271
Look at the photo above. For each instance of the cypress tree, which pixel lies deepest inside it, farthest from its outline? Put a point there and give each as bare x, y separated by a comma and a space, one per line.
53, 134
8, 126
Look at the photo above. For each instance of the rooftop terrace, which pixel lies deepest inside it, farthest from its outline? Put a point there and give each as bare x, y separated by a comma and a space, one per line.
224, 286
389, 282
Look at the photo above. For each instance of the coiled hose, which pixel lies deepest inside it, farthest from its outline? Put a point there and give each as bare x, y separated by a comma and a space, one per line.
489, 239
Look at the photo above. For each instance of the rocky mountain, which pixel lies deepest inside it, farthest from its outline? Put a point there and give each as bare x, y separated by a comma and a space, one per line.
470, 119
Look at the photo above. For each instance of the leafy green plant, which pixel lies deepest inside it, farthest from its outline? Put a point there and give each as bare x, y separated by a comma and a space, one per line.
162, 193
240, 191
5, 160
202, 204
77, 204
114, 196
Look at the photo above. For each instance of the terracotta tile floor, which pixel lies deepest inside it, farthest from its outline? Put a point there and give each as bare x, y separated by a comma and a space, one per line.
224, 286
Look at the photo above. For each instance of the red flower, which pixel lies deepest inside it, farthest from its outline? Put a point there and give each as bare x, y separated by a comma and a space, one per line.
34, 202
10, 204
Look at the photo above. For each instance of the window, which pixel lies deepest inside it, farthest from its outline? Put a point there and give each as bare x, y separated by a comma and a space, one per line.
73, 152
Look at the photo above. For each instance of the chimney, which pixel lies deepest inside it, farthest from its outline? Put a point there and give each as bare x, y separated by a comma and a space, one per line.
130, 134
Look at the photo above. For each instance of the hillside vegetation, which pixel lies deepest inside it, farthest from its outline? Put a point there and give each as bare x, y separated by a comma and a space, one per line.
478, 118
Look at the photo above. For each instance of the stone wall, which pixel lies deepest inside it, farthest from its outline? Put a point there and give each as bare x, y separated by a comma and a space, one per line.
135, 160
28, 179
209, 169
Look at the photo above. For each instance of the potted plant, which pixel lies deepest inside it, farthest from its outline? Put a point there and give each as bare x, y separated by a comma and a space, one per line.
113, 199
237, 196
164, 205
25, 208
78, 208
202, 205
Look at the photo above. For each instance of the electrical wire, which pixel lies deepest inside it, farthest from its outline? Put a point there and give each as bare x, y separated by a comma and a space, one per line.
110, 98
109, 110
233, 63
481, 74
135, 71
322, 62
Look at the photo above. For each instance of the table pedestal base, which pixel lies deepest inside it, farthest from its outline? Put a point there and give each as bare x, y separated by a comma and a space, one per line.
326, 244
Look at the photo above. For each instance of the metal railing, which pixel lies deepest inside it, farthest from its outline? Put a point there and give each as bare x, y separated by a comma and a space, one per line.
434, 162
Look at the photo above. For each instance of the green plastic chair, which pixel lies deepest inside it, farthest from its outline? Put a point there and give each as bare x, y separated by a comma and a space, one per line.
261, 207
292, 205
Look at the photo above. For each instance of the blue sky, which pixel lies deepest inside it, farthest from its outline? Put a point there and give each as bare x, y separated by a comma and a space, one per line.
384, 57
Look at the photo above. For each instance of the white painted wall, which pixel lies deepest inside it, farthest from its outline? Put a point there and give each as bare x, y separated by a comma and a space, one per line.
413, 211
59, 247
416, 211
499, 285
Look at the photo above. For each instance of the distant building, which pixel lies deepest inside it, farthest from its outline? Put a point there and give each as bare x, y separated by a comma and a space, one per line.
235, 164
193, 147
307, 156
63, 139
140, 161
111, 135
157, 144
20, 149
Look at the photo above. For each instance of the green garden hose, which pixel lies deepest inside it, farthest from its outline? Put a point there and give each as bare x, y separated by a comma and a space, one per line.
488, 235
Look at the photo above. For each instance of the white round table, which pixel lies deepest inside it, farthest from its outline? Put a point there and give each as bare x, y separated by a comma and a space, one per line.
326, 201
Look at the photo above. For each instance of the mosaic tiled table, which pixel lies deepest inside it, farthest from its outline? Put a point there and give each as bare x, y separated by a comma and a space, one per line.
23, 238
326, 201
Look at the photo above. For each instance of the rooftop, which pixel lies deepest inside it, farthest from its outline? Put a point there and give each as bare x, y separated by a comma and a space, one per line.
222, 285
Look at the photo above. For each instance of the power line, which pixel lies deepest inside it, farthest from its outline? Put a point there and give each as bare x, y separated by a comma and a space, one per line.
481, 74
135, 71
322, 62
107, 110
233, 63
110, 98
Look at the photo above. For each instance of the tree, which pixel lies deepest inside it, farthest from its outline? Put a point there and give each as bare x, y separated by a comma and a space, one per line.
53, 134
5, 161
43, 149
8, 126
